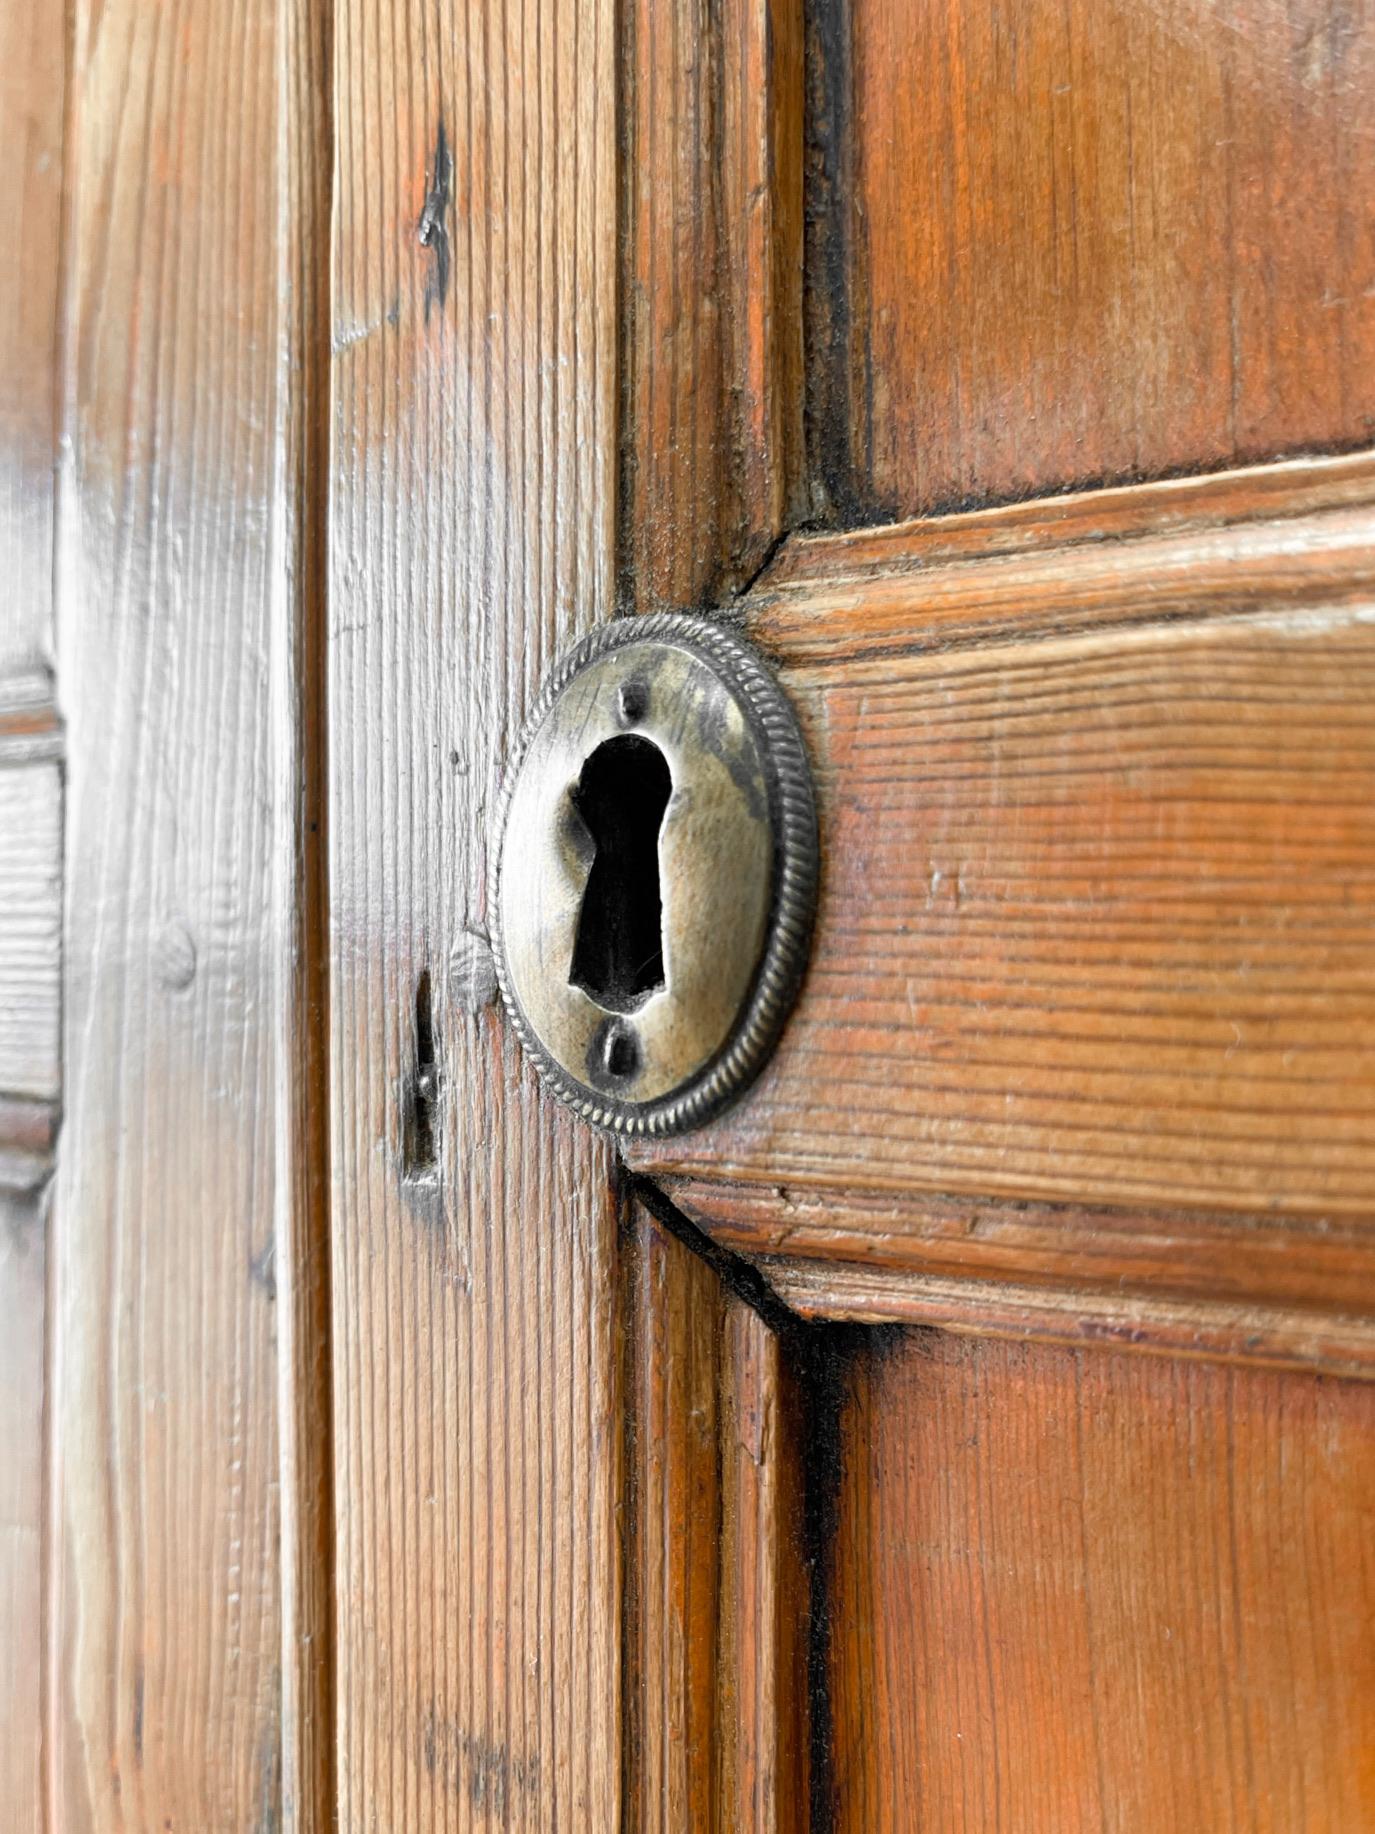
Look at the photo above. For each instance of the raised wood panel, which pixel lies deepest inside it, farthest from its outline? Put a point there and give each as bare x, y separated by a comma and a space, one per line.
1067, 243
23, 1226
475, 1299
1074, 1590
712, 391
175, 1650
1098, 819
716, 1575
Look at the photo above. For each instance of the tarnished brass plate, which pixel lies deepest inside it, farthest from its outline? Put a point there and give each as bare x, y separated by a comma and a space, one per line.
657, 873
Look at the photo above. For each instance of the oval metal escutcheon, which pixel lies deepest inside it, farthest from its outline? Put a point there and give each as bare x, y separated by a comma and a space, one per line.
657, 873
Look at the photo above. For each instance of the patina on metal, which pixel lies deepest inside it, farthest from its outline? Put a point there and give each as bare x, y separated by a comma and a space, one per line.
657, 873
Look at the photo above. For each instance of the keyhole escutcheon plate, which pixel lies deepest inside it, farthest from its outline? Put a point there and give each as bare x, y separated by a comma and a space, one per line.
656, 874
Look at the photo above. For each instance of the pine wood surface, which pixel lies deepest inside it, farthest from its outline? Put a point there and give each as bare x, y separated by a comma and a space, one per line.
717, 1587
475, 1300
175, 1653
1097, 797
1058, 244
31, 110
1071, 1589
23, 1273
712, 386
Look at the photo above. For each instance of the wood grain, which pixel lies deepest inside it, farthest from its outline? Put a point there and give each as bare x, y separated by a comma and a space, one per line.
1219, 1330
23, 1231
712, 390
32, 58
762, 1692
675, 1313
1076, 1590
1255, 1288
475, 1300
32, 73
178, 585
716, 1581
1096, 926
1071, 243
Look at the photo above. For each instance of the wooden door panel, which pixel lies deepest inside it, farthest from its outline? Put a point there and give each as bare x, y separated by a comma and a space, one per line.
1071, 1589
1067, 243
409, 1466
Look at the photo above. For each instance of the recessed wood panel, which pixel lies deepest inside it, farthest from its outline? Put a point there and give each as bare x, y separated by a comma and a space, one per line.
1058, 243
1072, 1590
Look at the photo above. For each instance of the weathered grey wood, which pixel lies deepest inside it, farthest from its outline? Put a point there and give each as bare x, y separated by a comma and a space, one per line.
178, 1650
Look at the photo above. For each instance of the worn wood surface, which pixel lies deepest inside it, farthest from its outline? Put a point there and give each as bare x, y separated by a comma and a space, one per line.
32, 46
1074, 1590
1256, 1288
762, 1692
1325, 1266
1154, 1323
1277, 536
1098, 822
1060, 243
23, 1227
712, 392
673, 1551
32, 37
174, 1660
716, 1583
476, 1361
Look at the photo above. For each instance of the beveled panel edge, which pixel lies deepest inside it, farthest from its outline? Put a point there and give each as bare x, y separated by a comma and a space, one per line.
1272, 1289
1284, 1338
1276, 538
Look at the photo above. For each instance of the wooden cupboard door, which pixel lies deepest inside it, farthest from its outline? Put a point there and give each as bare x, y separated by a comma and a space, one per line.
972, 1428
1041, 389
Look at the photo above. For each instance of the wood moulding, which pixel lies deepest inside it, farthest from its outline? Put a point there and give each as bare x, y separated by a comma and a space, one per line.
716, 1579
711, 462
1091, 999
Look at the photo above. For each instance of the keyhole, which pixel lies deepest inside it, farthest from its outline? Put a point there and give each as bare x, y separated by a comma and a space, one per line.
618, 953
